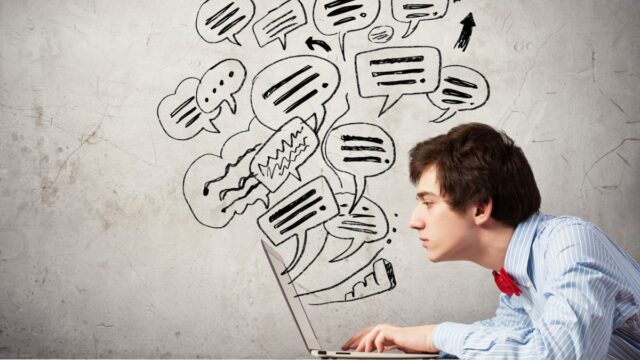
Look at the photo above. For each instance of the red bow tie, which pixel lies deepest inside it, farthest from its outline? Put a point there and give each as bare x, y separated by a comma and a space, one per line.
505, 283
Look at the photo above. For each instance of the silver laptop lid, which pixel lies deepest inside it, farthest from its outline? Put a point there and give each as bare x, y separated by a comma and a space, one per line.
289, 291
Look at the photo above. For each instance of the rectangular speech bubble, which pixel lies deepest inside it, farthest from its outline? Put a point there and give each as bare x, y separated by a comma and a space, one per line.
279, 22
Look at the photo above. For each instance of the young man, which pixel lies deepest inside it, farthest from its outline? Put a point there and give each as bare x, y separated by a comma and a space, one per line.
569, 292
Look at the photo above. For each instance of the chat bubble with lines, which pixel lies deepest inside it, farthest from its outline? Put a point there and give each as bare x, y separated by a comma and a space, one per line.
397, 71
220, 20
219, 84
414, 11
279, 22
461, 89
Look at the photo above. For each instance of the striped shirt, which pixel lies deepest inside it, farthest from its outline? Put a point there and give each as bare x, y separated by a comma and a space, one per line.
580, 299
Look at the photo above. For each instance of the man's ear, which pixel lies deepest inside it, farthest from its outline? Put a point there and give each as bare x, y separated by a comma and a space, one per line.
483, 212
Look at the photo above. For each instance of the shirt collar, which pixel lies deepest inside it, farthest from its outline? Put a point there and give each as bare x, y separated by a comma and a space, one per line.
517, 258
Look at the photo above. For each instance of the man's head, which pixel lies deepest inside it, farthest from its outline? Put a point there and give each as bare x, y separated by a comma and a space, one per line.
464, 178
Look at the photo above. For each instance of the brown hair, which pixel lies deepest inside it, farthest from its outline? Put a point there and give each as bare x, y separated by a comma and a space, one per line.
475, 163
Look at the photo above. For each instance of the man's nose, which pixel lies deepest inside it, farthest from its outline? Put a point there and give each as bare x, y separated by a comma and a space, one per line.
416, 221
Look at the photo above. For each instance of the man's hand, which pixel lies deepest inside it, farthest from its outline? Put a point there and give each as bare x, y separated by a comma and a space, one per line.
388, 337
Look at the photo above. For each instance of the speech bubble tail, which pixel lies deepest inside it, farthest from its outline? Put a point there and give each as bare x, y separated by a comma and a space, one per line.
412, 27
449, 113
295, 173
300, 245
389, 101
359, 192
341, 37
232, 39
210, 127
350, 250
283, 42
233, 106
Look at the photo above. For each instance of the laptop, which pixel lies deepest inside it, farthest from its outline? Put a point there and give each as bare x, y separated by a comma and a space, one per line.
304, 325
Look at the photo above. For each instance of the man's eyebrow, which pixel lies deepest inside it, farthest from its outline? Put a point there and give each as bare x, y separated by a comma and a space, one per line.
425, 193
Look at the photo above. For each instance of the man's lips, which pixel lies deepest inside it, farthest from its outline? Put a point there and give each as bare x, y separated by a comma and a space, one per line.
425, 242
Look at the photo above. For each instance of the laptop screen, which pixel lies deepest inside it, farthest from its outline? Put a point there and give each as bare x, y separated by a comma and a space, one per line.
289, 291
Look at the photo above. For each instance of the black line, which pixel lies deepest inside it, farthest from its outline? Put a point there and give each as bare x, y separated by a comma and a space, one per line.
453, 101
397, 60
297, 223
366, 231
209, 20
374, 159
224, 209
179, 108
298, 211
286, 80
343, 10
336, 3
416, 6
456, 93
192, 120
274, 35
362, 148
343, 21
398, 82
397, 72
230, 165
281, 23
295, 89
225, 18
272, 21
460, 82
361, 138
356, 216
241, 184
357, 223
293, 106
417, 15
185, 115
291, 205
231, 24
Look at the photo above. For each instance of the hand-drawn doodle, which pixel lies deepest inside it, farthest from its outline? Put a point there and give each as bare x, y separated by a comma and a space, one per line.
279, 22
397, 71
281, 156
311, 205
414, 11
367, 223
297, 86
310, 42
468, 23
218, 85
380, 34
342, 16
220, 20
362, 150
179, 114
461, 89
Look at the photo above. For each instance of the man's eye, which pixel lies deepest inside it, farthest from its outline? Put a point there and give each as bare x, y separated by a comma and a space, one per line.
428, 203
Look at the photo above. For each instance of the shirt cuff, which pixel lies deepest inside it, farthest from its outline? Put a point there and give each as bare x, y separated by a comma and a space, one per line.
449, 337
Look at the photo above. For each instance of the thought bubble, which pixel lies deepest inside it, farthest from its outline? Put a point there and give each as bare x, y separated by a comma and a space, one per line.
179, 114
218, 20
311, 205
397, 71
362, 150
461, 89
367, 223
414, 11
282, 155
279, 22
380, 34
219, 84
342, 16
297, 86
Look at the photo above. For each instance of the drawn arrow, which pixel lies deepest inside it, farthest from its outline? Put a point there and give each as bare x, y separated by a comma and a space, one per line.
310, 42
465, 35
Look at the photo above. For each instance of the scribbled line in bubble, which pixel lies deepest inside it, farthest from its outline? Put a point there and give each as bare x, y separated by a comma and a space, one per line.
397, 60
361, 215
285, 209
366, 231
417, 15
293, 211
185, 115
228, 167
295, 89
336, 3
344, 20
253, 187
225, 18
302, 100
343, 10
397, 82
374, 159
397, 72
456, 93
216, 15
460, 82
275, 87
361, 138
357, 223
362, 148
416, 6
230, 25
277, 19
241, 184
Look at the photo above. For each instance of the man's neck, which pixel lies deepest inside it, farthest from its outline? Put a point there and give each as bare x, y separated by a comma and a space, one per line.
493, 241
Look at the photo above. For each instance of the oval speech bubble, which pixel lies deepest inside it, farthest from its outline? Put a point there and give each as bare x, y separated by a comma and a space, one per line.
414, 11
461, 89
340, 17
220, 20
362, 150
380, 34
297, 86
219, 83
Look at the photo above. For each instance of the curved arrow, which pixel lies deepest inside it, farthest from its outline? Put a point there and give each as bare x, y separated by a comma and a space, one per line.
310, 42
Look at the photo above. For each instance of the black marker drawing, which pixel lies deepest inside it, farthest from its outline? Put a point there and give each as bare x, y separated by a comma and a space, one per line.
311, 205
297, 86
414, 11
461, 89
468, 23
339, 17
362, 150
397, 71
324, 140
219, 84
279, 22
220, 20
310, 42
380, 34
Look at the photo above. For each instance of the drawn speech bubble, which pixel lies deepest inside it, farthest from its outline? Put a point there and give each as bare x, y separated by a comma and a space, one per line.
367, 223
461, 89
297, 86
179, 114
414, 11
220, 20
289, 147
311, 205
219, 83
397, 71
340, 17
362, 150
279, 22
380, 34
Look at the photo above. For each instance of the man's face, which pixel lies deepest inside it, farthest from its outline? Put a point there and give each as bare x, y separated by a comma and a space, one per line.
445, 234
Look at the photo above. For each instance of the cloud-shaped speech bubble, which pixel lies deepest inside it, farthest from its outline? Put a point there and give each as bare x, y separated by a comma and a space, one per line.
414, 11
179, 114
340, 17
289, 147
279, 22
362, 150
219, 84
397, 71
461, 89
220, 20
311, 205
297, 86
367, 223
